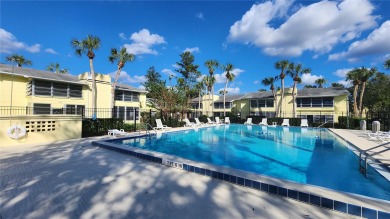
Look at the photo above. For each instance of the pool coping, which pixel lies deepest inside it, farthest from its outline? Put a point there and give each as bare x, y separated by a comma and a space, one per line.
348, 203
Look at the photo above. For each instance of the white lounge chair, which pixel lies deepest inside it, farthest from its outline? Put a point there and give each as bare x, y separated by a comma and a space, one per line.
248, 121
304, 123
379, 136
116, 132
217, 121
209, 121
188, 123
286, 122
227, 120
160, 126
199, 123
263, 121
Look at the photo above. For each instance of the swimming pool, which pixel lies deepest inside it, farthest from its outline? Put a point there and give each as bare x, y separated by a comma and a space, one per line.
303, 155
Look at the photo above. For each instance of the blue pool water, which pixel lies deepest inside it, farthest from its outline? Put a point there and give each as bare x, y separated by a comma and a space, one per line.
308, 156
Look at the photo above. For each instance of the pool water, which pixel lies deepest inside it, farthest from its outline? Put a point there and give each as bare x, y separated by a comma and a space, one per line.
303, 155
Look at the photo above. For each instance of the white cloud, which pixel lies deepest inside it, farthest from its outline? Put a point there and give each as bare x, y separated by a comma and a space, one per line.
231, 90
376, 43
342, 73
256, 82
200, 15
169, 72
9, 43
124, 77
309, 79
122, 36
221, 78
52, 51
143, 42
347, 83
192, 50
317, 27
141, 87
175, 65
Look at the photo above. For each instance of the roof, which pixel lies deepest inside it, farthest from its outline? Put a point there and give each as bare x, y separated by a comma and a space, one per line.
129, 88
228, 98
323, 92
39, 74
258, 95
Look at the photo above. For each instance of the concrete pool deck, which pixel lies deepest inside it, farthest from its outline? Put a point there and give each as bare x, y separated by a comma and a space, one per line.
73, 179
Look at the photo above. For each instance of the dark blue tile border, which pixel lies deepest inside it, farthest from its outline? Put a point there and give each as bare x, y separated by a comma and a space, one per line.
272, 189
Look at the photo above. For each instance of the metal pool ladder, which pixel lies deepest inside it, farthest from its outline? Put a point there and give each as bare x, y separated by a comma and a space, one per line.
146, 127
364, 155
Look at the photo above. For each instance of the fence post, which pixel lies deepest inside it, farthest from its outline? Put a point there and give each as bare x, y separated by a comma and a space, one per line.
150, 116
135, 119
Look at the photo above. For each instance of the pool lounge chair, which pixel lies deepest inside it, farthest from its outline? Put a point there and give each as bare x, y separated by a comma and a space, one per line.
248, 121
217, 121
304, 123
209, 121
263, 121
116, 132
227, 120
379, 136
199, 123
286, 122
160, 126
188, 123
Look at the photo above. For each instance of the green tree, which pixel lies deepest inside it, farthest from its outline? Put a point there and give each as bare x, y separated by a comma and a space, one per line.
365, 76
55, 67
228, 68
87, 46
335, 84
209, 82
282, 66
211, 65
153, 79
122, 57
19, 60
354, 76
310, 86
270, 82
377, 96
320, 82
387, 64
295, 70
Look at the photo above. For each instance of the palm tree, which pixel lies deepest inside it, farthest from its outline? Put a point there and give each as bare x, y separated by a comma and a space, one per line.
354, 75
211, 65
87, 46
18, 60
209, 82
122, 57
320, 82
200, 87
271, 81
55, 67
282, 66
295, 70
310, 86
335, 84
387, 64
365, 76
229, 77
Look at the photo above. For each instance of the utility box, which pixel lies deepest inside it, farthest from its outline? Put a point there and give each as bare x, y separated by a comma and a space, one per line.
376, 126
363, 125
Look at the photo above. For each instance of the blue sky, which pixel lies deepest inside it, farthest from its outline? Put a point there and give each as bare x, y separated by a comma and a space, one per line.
329, 37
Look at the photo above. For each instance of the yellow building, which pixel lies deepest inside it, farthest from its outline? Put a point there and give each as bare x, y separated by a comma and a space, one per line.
51, 106
314, 104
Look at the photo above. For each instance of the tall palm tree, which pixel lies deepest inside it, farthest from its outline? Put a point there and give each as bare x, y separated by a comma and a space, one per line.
211, 65
320, 82
200, 86
229, 77
354, 76
87, 46
270, 81
55, 67
365, 76
122, 57
209, 82
295, 70
282, 66
19, 60
387, 64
